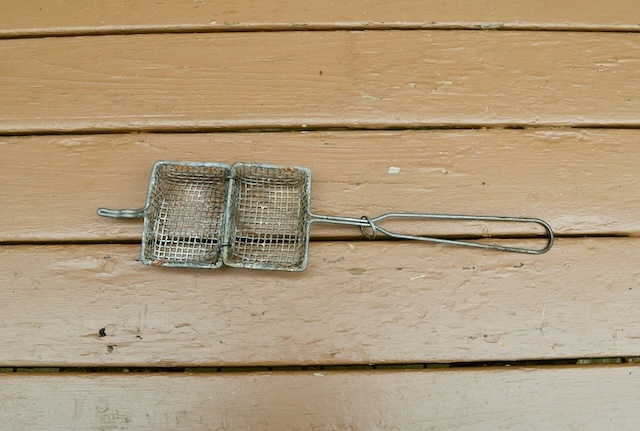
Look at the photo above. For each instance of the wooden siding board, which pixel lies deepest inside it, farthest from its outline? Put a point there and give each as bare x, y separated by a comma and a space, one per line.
585, 398
583, 182
371, 79
357, 303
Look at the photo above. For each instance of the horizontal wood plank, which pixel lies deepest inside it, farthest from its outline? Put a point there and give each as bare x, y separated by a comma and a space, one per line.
373, 79
357, 303
582, 182
36, 18
489, 399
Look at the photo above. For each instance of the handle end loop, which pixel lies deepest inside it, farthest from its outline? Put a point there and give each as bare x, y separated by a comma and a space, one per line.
550, 238
372, 223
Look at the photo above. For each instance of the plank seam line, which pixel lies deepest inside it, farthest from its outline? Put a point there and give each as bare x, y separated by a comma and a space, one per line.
301, 27
177, 129
544, 363
330, 239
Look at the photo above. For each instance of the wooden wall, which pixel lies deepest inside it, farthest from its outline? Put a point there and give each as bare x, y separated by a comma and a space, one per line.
495, 107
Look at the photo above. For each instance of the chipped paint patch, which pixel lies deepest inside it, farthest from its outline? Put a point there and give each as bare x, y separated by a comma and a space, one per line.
356, 271
393, 170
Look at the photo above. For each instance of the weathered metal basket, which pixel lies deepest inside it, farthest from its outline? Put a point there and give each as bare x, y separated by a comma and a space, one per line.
201, 215
184, 215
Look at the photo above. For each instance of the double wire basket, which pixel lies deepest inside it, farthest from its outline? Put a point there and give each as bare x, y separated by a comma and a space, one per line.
248, 215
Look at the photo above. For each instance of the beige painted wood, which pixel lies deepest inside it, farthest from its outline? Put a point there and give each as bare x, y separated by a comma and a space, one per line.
580, 181
376, 79
488, 399
31, 17
357, 303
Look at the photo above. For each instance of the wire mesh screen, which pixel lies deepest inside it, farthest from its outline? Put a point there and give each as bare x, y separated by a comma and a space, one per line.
185, 215
267, 225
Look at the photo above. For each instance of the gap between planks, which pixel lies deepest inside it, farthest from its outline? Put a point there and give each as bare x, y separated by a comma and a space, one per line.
256, 128
38, 19
328, 27
346, 367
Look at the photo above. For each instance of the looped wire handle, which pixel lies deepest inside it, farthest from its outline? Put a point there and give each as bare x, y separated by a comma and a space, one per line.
372, 223
372, 226
106, 212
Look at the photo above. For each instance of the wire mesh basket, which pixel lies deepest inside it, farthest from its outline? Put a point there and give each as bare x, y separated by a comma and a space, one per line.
204, 215
184, 215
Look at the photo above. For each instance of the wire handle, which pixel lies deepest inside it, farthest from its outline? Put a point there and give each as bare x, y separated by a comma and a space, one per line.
106, 212
372, 223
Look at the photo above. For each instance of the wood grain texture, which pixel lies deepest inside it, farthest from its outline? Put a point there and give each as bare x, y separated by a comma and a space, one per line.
555, 399
582, 182
374, 79
357, 303
29, 18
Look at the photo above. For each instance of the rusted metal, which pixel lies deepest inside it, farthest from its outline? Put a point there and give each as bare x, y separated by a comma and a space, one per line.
249, 215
